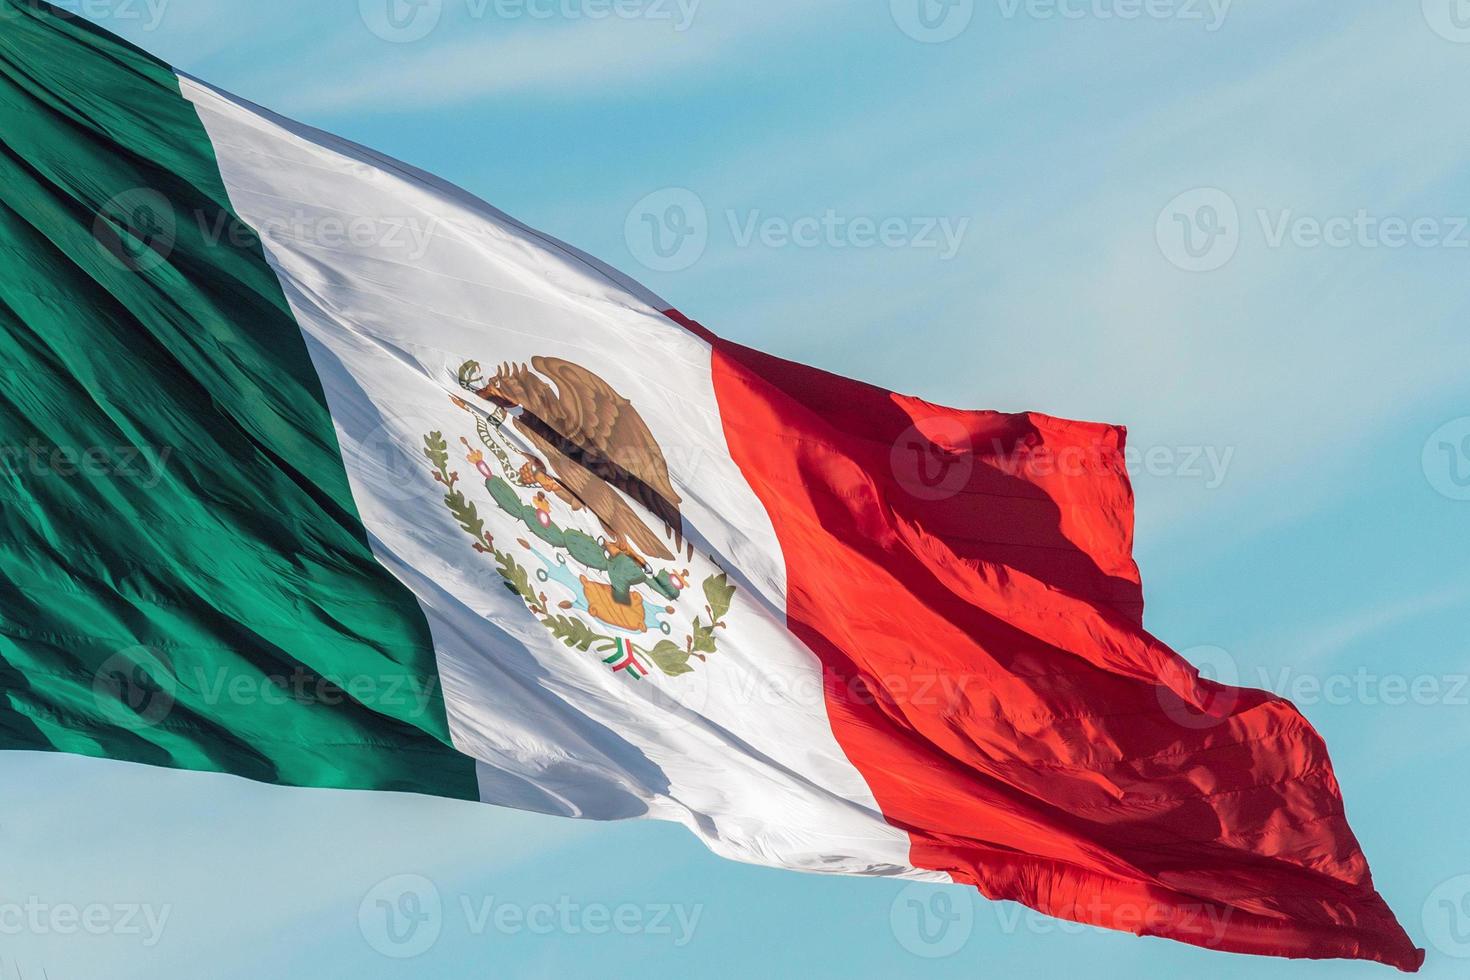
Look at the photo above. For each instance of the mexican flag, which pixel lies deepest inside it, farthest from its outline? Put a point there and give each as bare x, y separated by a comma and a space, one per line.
323, 472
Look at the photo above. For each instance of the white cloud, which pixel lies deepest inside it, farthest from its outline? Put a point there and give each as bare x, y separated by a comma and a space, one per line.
476, 56
1327, 639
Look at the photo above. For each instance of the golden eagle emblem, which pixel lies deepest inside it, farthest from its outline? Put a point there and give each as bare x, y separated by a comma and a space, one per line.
584, 487
594, 443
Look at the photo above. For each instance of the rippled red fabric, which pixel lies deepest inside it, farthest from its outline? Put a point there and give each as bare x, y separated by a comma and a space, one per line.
967, 581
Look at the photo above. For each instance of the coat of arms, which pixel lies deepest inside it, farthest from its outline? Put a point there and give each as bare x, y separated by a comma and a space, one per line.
573, 472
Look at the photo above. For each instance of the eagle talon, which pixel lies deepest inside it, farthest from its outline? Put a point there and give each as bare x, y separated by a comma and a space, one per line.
618, 546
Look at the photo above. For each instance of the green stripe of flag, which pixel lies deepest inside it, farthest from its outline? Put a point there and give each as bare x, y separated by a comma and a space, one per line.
184, 578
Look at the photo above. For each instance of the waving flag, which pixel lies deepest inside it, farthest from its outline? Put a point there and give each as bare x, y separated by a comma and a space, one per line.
322, 472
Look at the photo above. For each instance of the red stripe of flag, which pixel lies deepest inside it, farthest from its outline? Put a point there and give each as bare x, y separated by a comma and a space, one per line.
967, 581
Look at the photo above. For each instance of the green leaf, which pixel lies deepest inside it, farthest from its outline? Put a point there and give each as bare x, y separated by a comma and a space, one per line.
437, 450
438, 453
704, 638
671, 658
464, 511
516, 577
719, 592
574, 633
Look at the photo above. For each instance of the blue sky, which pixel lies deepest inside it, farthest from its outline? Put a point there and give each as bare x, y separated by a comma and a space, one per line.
1238, 228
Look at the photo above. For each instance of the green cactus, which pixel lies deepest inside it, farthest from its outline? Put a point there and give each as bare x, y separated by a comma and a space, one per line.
624, 572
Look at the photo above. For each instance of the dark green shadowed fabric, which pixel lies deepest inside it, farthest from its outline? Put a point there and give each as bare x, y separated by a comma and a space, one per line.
184, 579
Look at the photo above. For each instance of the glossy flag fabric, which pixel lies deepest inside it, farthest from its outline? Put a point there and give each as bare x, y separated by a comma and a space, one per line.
322, 472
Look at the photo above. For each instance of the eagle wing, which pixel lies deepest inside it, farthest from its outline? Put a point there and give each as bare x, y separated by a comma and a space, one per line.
603, 433
599, 497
